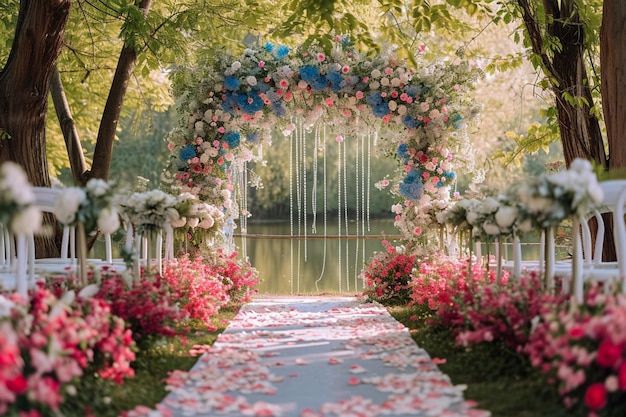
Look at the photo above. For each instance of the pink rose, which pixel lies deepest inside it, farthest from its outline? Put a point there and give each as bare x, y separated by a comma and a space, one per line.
608, 353
595, 396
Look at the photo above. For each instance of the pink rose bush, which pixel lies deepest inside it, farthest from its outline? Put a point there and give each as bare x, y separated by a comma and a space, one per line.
47, 342
388, 275
583, 352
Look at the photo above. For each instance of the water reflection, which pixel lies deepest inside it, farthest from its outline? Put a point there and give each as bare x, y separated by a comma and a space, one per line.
315, 264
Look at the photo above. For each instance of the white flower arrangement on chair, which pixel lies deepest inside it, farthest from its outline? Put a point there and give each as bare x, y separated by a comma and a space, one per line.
17, 201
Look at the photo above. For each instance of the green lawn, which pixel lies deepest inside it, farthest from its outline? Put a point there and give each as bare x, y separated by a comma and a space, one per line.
152, 365
499, 379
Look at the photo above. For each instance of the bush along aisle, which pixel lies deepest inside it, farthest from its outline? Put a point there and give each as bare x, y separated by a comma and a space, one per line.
63, 332
578, 343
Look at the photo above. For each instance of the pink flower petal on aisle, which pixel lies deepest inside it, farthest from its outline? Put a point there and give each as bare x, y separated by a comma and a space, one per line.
357, 369
334, 361
354, 381
301, 362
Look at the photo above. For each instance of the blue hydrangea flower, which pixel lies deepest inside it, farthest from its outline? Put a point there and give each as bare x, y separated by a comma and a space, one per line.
410, 122
412, 177
403, 151
233, 139
457, 121
335, 78
413, 191
309, 73
278, 108
373, 99
282, 51
440, 184
269, 47
231, 83
250, 103
319, 83
450, 175
381, 110
187, 153
253, 137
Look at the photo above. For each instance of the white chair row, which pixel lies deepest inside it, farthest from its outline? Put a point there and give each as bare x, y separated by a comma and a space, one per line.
586, 264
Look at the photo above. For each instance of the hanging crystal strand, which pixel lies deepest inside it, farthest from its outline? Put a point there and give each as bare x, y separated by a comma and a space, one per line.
323, 150
304, 189
345, 199
339, 270
244, 220
314, 189
364, 200
358, 211
369, 175
298, 201
291, 214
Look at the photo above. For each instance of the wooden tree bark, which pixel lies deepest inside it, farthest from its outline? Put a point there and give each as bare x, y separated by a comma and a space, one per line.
613, 72
113, 107
24, 85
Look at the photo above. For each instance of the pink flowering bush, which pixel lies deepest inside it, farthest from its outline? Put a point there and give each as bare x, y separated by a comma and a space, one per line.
200, 291
388, 274
583, 352
239, 276
46, 343
150, 307
477, 307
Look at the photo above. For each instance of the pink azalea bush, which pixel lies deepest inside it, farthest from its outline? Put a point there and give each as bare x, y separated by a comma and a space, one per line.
388, 274
199, 290
150, 307
47, 342
583, 351
239, 276
477, 307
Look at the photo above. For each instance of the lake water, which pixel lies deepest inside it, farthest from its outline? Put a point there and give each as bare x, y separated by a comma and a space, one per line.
312, 264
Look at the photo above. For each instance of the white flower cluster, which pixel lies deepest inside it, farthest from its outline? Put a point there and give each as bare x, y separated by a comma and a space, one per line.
550, 198
17, 209
151, 210
94, 206
195, 213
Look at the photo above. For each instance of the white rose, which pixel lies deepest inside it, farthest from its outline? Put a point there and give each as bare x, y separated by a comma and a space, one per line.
525, 226
581, 166
179, 222
207, 223
193, 222
108, 220
374, 85
68, 203
395, 81
393, 105
490, 205
491, 228
251, 80
27, 221
595, 192
402, 110
97, 187
384, 82
505, 216
376, 73
235, 65
539, 204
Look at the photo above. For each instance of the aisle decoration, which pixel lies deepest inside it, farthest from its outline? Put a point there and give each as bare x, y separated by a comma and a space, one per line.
387, 276
18, 216
231, 105
17, 201
49, 342
583, 352
88, 209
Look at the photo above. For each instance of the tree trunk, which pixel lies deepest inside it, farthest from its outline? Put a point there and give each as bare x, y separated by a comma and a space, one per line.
613, 72
113, 108
24, 85
68, 127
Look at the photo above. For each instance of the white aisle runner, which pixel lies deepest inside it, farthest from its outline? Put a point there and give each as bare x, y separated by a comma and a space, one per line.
315, 356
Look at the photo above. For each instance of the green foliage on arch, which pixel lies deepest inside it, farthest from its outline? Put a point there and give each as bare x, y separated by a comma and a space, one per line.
231, 105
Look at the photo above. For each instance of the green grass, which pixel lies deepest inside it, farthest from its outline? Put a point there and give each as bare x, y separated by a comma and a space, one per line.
152, 365
500, 380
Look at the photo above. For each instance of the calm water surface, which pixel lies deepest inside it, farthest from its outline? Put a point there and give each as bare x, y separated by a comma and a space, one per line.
314, 264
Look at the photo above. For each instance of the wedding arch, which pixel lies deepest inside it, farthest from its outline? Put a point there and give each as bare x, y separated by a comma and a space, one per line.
231, 105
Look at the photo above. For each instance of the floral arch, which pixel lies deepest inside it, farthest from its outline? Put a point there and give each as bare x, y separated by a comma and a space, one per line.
231, 106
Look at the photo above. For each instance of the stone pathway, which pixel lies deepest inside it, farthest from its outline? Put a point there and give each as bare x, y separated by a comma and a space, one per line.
313, 357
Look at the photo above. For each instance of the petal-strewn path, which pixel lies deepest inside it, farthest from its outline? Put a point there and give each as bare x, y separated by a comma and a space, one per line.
315, 356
